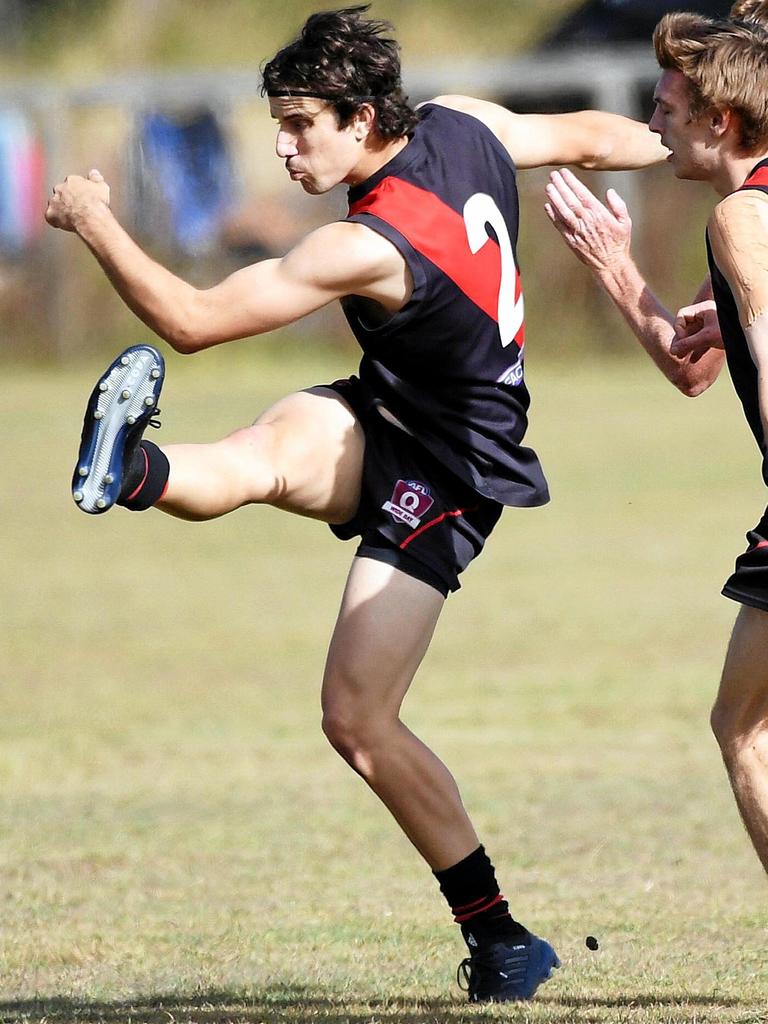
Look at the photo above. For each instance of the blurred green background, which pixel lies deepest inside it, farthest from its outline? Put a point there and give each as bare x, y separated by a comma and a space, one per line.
77, 37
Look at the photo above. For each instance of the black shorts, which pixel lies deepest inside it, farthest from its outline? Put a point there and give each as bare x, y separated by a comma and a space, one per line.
749, 582
414, 514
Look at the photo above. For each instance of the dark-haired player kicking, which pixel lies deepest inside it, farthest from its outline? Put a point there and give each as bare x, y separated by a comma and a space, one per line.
419, 453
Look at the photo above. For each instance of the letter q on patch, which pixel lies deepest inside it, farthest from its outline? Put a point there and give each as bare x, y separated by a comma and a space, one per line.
410, 502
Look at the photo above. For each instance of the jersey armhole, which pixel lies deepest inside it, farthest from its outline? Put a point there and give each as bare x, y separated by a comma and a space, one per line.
413, 259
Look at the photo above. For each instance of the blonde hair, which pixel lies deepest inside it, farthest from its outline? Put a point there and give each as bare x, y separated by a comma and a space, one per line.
726, 65
750, 10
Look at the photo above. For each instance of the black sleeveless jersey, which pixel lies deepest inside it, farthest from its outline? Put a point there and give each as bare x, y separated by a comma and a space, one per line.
449, 364
740, 364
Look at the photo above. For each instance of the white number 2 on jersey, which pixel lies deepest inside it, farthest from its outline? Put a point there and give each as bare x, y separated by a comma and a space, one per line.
479, 211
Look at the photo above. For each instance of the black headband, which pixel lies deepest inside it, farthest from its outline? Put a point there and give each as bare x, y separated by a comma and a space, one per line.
316, 94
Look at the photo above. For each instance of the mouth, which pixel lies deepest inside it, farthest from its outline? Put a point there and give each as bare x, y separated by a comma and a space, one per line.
294, 172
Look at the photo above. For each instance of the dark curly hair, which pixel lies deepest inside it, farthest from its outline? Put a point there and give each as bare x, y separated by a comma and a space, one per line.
345, 58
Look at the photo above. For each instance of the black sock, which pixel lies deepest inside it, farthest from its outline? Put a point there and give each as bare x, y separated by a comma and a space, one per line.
472, 892
144, 478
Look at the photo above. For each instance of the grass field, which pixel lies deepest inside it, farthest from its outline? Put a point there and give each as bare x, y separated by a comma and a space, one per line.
178, 842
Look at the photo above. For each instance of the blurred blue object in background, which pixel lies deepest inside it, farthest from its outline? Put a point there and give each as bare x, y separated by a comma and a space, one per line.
187, 156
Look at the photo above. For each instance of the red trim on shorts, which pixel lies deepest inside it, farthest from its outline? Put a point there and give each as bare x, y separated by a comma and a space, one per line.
760, 177
434, 522
133, 494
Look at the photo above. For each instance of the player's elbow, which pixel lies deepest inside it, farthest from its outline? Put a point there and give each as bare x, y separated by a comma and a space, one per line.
691, 390
699, 387
599, 155
184, 336
187, 328
692, 385
595, 139
179, 338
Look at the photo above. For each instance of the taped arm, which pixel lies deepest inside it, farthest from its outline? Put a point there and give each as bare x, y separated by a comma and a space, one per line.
591, 139
738, 234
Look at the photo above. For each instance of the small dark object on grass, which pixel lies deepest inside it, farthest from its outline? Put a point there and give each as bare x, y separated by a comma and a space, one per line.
591, 942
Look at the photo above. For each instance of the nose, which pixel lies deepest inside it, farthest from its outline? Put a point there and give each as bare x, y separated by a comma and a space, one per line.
285, 145
653, 124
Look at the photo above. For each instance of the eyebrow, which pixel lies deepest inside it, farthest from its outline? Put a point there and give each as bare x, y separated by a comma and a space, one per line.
293, 116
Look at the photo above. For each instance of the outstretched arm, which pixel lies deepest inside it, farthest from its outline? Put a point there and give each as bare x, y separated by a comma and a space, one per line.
687, 348
338, 259
591, 139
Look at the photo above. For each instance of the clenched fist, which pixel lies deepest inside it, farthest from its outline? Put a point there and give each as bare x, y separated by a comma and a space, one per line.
75, 198
697, 330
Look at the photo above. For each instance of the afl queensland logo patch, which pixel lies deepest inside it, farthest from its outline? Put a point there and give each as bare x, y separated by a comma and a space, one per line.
409, 503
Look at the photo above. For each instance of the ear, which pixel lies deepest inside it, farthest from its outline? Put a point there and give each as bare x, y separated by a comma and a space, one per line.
722, 120
364, 122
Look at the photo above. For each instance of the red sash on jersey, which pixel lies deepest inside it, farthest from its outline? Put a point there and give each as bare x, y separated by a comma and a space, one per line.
438, 232
760, 177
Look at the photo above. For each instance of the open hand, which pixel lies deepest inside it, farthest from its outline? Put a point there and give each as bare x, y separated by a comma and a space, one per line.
600, 235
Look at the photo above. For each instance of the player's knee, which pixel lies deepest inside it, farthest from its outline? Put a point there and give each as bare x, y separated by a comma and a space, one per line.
343, 733
728, 729
720, 724
355, 737
339, 736
741, 733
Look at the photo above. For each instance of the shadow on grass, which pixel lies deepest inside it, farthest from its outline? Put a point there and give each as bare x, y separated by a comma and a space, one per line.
297, 1004
695, 1002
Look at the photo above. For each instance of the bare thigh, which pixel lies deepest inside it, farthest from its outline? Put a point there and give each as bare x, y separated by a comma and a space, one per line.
385, 625
317, 450
742, 700
304, 455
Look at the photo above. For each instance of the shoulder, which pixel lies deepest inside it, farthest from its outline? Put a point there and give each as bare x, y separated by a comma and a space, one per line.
738, 235
741, 219
491, 123
528, 140
450, 102
343, 235
343, 253
487, 113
